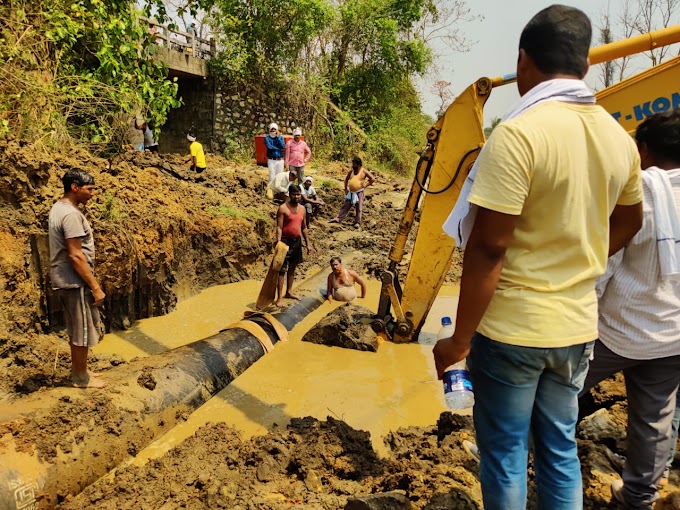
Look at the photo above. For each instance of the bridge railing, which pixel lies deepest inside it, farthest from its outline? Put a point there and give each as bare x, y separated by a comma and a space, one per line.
184, 42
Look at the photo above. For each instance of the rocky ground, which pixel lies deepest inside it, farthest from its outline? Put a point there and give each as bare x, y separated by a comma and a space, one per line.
162, 235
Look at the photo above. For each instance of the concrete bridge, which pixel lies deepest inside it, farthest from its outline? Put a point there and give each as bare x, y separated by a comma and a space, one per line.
185, 54
212, 109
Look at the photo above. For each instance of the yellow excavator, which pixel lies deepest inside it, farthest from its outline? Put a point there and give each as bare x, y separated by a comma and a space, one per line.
453, 144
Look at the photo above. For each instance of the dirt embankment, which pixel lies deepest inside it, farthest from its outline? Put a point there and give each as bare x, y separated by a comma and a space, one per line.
325, 464
312, 464
161, 234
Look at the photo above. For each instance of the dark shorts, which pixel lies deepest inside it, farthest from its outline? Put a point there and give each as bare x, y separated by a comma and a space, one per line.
199, 170
294, 255
152, 148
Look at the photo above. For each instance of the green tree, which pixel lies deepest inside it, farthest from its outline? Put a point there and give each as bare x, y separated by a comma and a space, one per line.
358, 55
374, 52
263, 39
92, 58
494, 122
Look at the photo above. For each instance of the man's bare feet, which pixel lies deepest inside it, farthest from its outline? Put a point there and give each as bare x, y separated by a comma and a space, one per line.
279, 302
91, 373
88, 382
292, 296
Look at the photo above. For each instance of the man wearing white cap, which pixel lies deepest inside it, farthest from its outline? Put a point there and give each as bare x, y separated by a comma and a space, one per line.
297, 154
276, 146
313, 204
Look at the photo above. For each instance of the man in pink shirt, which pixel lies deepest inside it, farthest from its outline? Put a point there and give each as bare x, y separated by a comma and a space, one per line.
297, 154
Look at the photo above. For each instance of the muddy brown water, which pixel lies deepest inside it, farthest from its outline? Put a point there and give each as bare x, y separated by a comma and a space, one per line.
378, 392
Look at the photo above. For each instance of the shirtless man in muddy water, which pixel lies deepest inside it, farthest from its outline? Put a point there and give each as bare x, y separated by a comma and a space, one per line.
341, 282
356, 181
75, 287
290, 229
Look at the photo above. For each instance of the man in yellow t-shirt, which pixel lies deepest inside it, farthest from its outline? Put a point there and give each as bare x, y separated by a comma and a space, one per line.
196, 154
557, 190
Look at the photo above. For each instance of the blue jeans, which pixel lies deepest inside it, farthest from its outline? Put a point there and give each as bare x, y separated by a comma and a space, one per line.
518, 388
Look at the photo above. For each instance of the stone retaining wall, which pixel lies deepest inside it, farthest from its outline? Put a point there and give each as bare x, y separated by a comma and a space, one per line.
238, 115
196, 114
221, 117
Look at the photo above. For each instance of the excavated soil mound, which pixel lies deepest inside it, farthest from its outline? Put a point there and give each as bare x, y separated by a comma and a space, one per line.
162, 235
312, 464
346, 326
328, 465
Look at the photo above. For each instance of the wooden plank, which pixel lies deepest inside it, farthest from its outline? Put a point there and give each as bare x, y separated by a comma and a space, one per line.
268, 291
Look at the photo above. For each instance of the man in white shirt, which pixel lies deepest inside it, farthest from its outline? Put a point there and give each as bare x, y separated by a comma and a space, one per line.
313, 204
280, 183
639, 316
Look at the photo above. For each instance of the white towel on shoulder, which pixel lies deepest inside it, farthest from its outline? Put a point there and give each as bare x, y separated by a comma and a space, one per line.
459, 223
666, 221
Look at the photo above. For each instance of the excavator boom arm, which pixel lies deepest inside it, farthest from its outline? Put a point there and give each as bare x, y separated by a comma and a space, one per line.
453, 144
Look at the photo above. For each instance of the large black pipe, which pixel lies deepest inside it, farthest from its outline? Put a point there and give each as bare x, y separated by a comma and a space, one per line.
98, 429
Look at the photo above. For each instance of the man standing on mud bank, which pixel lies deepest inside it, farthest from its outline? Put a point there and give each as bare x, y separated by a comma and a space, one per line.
290, 229
297, 155
196, 154
555, 190
72, 273
639, 310
356, 181
135, 133
276, 147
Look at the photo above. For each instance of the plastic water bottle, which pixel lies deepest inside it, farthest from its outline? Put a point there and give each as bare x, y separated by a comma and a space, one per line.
457, 386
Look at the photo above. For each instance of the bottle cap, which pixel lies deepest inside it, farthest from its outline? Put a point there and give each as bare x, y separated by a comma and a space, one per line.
446, 321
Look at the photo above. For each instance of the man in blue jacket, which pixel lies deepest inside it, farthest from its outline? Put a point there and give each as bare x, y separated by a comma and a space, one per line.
276, 147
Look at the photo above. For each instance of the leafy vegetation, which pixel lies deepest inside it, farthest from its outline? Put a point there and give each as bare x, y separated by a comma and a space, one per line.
353, 61
231, 212
110, 209
236, 147
326, 185
77, 72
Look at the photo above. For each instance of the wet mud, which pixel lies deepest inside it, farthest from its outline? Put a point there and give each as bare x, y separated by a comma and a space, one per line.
311, 464
347, 326
326, 464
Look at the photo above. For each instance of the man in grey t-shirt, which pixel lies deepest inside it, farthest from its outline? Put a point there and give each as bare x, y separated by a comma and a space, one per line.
72, 273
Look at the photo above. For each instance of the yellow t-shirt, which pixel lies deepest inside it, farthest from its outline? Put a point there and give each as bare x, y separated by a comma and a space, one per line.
560, 167
196, 150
